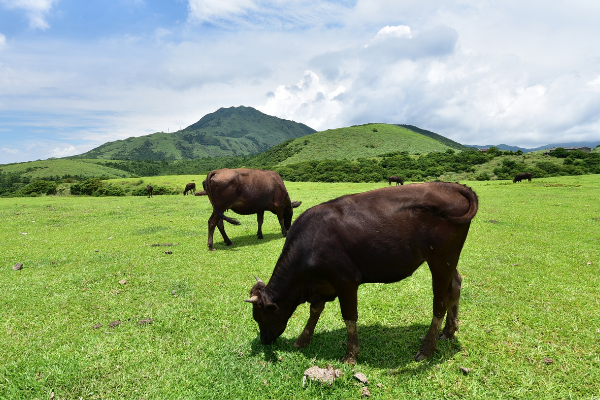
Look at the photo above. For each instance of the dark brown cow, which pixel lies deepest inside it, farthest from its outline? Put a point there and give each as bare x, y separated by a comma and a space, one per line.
246, 191
379, 236
396, 179
149, 190
520, 177
190, 187
201, 193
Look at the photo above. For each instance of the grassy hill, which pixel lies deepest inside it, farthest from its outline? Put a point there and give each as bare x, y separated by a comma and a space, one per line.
226, 132
361, 141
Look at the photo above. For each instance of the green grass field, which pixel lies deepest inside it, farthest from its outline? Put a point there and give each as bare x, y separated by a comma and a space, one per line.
531, 291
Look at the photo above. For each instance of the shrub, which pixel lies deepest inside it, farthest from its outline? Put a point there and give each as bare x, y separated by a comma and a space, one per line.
559, 152
484, 176
41, 186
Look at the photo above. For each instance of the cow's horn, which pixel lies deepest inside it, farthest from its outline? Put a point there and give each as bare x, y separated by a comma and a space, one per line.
258, 280
253, 300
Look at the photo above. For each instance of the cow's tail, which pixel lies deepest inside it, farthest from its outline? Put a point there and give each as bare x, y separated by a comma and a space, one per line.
470, 195
206, 186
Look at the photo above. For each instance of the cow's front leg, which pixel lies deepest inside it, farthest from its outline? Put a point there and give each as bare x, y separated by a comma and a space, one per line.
307, 334
260, 216
280, 218
352, 350
349, 305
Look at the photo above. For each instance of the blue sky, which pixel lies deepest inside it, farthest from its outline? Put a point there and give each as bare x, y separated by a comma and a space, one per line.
76, 74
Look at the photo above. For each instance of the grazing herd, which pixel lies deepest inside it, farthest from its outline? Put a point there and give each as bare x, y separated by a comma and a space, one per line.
331, 249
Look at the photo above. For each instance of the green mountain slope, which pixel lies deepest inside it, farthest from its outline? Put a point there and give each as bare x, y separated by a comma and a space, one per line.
350, 143
439, 138
226, 132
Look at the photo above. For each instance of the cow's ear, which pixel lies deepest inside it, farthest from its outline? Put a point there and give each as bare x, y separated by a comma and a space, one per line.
296, 204
271, 306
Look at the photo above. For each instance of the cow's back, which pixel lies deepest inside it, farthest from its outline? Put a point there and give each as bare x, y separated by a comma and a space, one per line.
385, 233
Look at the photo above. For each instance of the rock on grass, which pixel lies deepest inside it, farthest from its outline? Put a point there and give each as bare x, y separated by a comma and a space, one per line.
362, 378
322, 375
114, 323
17, 266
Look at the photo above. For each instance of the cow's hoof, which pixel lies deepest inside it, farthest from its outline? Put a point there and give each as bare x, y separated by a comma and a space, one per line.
260, 237
228, 243
444, 336
420, 356
301, 342
212, 249
349, 359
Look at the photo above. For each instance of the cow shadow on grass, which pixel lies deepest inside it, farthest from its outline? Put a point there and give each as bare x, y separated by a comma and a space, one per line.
246, 240
380, 346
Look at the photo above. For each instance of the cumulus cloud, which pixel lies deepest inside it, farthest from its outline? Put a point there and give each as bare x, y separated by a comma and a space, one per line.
66, 151
2, 41
309, 101
400, 31
206, 10
36, 10
10, 151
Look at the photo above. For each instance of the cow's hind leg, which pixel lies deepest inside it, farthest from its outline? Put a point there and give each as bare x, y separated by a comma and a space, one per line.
221, 227
442, 275
280, 218
260, 216
307, 334
453, 297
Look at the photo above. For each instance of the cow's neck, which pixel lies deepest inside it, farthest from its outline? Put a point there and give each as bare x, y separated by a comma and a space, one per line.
285, 285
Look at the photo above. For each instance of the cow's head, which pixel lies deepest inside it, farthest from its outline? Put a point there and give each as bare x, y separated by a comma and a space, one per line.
288, 213
270, 318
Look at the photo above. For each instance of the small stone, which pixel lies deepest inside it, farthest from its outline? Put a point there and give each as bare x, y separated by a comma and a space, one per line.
173, 292
123, 281
110, 237
361, 377
465, 370
589, 263
515, 264
379, 385
365, 392
145, 321
168, 252
548, 360
96, 250
322, 375
114, 323
51, 395
493, 221
97, 326
17, 266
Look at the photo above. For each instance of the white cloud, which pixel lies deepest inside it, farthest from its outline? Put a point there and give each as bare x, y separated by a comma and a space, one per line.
309, 101
206, 10
36, 11
400, 31
10, 151
66, 151
2, 41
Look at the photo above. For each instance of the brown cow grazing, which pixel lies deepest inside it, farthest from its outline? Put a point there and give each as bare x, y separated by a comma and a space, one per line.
396, 179
201, 193
379, 236
246, 191
149, 190
520, 177
190, 187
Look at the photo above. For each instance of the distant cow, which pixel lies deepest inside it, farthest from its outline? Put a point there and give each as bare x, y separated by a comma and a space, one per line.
396, 179
201, 193
379, 236
520, 177
149, 190
190, 187
246, 191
